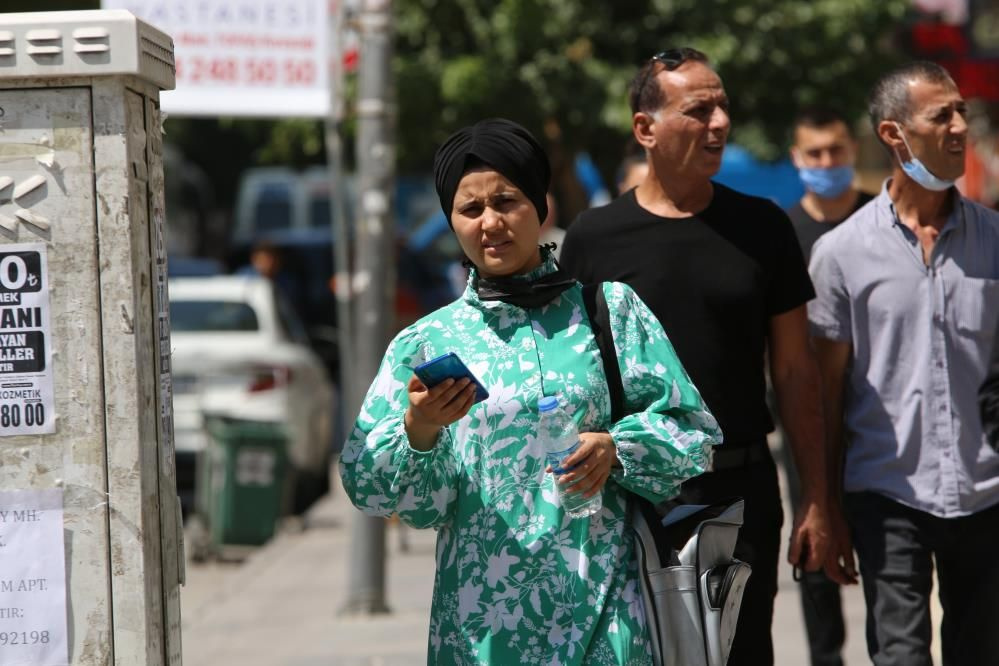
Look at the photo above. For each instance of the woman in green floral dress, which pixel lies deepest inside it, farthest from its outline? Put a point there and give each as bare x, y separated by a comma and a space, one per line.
518, 581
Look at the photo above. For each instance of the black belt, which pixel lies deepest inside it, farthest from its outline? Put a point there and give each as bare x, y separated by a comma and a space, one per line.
734, 457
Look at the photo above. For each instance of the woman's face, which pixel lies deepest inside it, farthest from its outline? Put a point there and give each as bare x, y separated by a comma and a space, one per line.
497, 226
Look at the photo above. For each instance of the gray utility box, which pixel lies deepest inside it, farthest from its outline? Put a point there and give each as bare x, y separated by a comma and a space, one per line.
81, 185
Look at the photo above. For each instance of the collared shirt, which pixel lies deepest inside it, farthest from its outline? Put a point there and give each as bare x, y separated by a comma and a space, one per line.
921, 338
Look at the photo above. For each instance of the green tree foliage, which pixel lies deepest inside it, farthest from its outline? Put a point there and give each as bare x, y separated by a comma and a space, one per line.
562, 68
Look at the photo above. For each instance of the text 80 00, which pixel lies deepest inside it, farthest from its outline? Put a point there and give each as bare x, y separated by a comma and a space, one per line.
23, 637
31, 414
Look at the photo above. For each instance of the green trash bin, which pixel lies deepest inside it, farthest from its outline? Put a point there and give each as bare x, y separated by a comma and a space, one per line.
242, 490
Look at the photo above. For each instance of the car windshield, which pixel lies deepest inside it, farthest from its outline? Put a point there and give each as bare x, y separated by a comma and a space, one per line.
187, 316
273, 208
319, 212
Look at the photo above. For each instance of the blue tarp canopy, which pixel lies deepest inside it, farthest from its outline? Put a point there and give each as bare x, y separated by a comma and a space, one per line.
777, 181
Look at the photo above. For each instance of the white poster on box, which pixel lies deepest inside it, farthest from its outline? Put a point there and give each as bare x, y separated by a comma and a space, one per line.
243, 57
32, 579
26, 388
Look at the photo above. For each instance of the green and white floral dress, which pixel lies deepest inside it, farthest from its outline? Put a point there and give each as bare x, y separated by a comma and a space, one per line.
518, 582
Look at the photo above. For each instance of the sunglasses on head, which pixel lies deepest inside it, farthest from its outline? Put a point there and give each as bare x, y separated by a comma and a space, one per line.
670, 59
673, 58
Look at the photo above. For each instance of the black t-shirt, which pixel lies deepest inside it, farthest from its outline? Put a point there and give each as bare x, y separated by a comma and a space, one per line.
714, 280
808, 229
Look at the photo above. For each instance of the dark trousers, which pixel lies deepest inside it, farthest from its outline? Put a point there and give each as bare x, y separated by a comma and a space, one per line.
896, 547
822, 608
758, 545
821, 601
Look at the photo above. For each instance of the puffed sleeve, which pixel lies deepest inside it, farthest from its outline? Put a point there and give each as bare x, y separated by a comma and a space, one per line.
381, 472
668, 434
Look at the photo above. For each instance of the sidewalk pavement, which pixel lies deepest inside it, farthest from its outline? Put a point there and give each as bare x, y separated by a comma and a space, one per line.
281, 606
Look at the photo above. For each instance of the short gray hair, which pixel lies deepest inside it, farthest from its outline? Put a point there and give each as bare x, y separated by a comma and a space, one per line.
890, 98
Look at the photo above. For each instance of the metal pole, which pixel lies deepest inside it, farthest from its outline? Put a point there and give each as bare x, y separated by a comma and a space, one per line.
374, 279
340, 227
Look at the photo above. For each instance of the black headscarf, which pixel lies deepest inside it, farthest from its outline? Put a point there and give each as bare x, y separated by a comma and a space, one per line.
511, 150
502, 145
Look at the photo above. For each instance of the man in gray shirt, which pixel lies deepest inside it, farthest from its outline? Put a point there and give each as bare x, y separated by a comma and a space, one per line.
904, 323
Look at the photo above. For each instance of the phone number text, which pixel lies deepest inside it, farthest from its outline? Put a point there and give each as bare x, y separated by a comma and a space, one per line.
24, 637
247, 71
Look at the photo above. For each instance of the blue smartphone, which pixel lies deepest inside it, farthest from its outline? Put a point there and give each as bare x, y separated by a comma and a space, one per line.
448, 366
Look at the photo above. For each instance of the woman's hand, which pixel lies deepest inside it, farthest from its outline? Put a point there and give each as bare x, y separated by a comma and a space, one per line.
591, 463
430, 409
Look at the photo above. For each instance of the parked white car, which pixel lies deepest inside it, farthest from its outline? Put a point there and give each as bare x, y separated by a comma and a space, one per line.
240, 351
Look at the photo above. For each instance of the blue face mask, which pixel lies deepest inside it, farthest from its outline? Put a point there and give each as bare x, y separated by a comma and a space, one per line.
827, 183
917, 171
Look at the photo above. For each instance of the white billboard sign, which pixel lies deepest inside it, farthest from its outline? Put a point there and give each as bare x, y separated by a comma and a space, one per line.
243, 57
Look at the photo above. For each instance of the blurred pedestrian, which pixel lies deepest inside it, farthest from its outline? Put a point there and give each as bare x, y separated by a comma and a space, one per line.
905, 322
724, 274
268, 260
633, 169
824, 152
551, 233
518, 580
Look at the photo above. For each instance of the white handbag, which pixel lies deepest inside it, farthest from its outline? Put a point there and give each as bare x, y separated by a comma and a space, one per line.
692, 589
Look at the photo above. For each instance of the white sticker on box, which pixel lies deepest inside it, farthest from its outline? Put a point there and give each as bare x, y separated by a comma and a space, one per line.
32, 579
26, 391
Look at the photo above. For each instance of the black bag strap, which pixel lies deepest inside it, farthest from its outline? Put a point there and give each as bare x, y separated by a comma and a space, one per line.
596, 309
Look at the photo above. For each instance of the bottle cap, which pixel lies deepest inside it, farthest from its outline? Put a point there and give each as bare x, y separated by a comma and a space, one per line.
547, 404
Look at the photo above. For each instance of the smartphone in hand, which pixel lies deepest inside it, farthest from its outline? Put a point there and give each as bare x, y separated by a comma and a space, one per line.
448, 366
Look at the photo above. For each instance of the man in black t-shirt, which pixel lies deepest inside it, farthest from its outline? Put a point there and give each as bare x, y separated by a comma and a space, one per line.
724, 274
824, 151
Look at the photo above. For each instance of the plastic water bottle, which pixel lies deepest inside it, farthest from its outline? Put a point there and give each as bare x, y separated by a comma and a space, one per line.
559, 437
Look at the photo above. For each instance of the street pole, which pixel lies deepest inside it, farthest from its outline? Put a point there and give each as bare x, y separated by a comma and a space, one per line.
373, 283
340, 225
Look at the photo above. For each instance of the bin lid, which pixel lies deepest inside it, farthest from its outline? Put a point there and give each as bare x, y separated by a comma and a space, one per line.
89, 43
229, 428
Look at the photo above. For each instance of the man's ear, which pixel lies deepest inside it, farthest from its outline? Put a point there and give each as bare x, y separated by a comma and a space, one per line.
795, 157
642, 125
891, 135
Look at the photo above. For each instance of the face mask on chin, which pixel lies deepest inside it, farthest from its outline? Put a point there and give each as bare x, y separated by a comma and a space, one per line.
918, 172
827, 183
